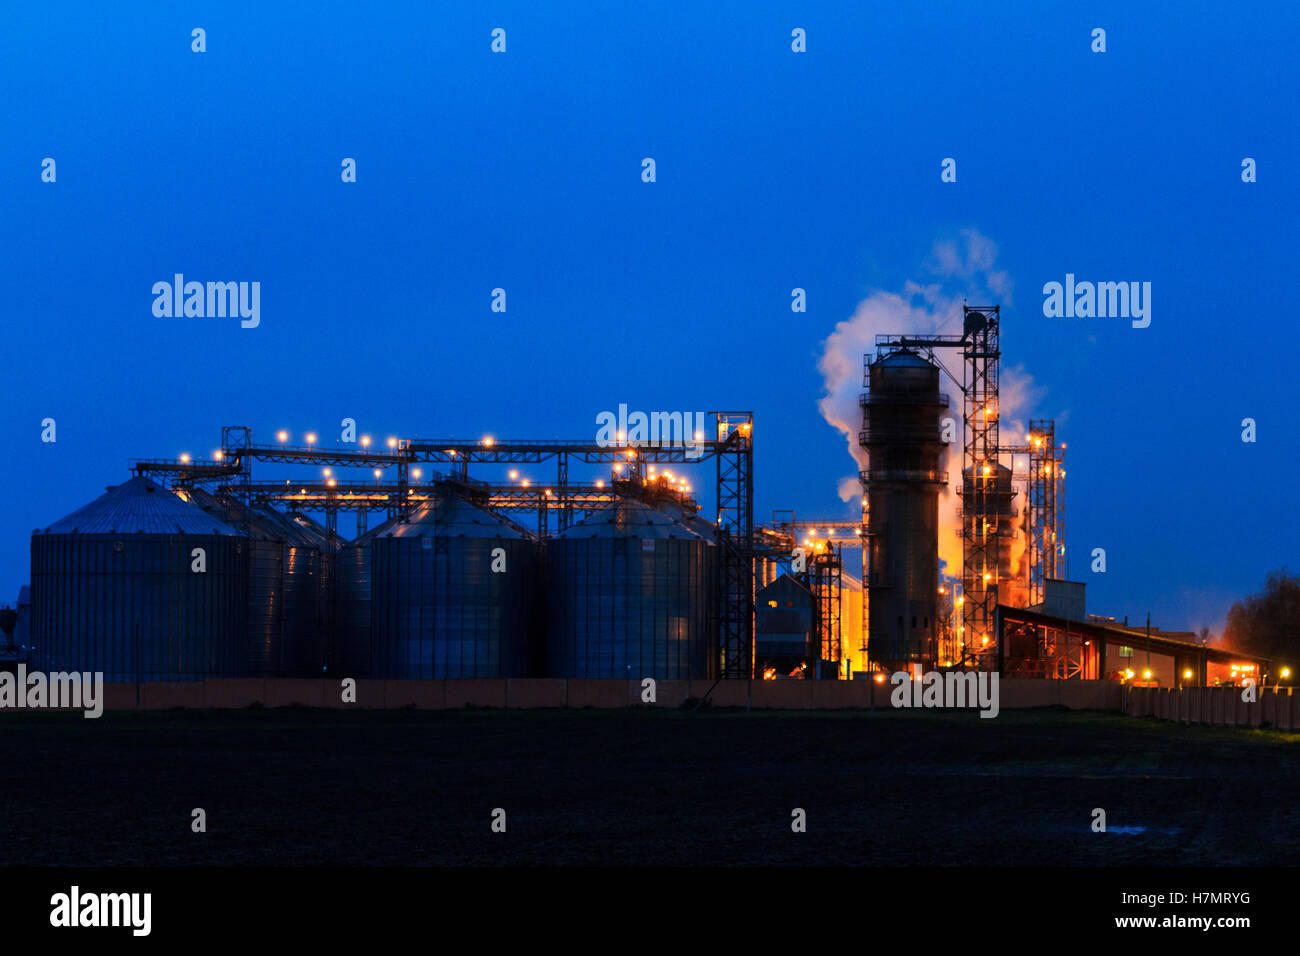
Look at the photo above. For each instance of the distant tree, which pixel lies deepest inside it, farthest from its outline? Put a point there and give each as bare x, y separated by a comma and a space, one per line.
1268, 623
1203, 636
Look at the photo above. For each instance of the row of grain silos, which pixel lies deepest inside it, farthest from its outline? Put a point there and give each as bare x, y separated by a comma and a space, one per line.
149, 584
454, 590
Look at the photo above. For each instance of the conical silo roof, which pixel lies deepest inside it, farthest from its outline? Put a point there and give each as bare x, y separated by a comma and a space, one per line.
454, 517
323, 539
138, 506
701, 525
235, 513
289, 530
370, 534
629, 518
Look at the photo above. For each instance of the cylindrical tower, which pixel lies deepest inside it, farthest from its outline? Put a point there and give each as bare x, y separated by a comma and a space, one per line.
901, 434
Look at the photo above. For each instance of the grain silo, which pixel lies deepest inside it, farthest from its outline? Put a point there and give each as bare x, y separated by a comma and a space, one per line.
140, 585
351, 657
454, 590
630, 595
304, 645
324, 652
690, 516
264, 560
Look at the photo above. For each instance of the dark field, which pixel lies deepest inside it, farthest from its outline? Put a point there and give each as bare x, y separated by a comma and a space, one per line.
642, 787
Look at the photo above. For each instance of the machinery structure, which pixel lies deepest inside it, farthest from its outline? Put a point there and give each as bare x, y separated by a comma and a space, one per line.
821, 543
987, 515
730, 447
981, 354
909, 617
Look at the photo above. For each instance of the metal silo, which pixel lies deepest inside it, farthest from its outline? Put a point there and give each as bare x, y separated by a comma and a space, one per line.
304, 644
706, 529
901, 434
323, 654
630, 596
264, 559
114, 589
454, 591
352, 585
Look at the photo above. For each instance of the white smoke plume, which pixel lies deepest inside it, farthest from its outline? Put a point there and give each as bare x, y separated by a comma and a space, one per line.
962, 268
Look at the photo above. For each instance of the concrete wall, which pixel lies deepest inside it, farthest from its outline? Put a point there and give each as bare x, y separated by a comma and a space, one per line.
575, 693
1274, 707
1278, 708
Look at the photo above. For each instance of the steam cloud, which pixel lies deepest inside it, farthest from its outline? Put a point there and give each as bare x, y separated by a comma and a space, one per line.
957, 268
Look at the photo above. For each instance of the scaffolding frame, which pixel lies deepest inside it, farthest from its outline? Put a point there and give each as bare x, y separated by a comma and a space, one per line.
1046, 508
826, 580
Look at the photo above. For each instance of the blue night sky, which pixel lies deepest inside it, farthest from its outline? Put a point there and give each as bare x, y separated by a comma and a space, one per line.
775, 170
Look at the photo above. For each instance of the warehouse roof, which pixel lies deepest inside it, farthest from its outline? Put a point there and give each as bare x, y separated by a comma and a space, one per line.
1126, 635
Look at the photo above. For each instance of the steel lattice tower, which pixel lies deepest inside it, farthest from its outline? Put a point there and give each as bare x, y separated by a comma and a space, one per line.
980, 522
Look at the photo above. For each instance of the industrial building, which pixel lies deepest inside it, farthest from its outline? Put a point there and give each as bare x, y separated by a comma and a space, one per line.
1007, 549
197, 568
1058, 640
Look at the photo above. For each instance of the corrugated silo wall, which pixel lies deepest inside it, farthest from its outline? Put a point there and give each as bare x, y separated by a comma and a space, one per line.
438, 610
621, 607
352, 622
305, 648
266, 611
131, 607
